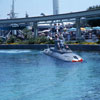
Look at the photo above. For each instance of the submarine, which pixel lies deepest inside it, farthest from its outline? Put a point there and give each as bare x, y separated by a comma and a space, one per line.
63, 53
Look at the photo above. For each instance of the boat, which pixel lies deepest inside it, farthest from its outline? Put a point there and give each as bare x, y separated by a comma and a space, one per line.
65, 54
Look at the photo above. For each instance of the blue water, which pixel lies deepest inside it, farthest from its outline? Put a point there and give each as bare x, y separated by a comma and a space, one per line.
31, 75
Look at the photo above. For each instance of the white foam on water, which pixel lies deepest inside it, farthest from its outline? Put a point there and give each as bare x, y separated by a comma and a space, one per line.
15, 51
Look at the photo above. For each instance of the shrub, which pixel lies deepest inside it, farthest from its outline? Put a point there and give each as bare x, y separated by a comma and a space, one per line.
31, 41
98, 42
12, 39
50, 42
1, 40
40, 40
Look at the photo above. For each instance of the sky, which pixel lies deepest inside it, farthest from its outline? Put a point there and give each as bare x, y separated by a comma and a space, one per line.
36, 7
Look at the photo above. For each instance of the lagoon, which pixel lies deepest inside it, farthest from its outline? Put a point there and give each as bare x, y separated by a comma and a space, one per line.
31, 75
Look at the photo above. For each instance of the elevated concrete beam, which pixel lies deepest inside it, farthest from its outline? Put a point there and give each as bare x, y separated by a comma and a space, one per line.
52, 17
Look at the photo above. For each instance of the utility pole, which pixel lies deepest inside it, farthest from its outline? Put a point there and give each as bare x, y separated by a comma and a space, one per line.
12, 12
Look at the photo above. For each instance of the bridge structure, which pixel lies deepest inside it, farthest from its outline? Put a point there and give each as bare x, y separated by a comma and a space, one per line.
77, 16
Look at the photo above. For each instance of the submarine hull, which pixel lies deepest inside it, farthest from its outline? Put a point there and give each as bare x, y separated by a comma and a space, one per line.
68, 56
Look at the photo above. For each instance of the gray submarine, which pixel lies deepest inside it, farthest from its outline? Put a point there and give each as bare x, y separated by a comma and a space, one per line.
62, 52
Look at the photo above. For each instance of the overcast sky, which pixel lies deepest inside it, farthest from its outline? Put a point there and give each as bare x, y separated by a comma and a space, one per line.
36, 7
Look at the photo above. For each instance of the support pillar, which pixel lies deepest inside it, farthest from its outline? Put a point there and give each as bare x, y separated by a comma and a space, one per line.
62, 23
78, 32
14, 32
51, 26
35, 29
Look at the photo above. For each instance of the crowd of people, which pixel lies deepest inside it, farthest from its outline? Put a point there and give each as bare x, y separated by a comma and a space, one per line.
68, 35
60, 31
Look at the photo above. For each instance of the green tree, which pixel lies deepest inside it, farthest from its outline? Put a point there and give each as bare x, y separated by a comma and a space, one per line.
95, 21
